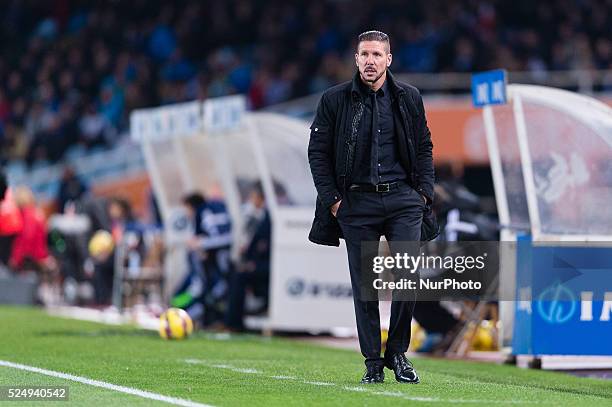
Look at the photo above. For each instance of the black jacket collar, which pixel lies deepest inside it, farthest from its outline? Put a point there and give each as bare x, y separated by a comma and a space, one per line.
357, 85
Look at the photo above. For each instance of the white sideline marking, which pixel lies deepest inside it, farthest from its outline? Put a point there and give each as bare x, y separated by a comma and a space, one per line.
241, 370
413, 398
224, 366
359, 388
122, 389
320, 383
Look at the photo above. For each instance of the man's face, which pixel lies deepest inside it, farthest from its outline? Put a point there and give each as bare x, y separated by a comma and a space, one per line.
257, 199
372, 59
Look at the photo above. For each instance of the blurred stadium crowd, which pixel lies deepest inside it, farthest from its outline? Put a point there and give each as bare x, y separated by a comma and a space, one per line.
72, 70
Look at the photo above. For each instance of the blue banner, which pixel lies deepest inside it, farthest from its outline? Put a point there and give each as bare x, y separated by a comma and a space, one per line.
570, 311
489, 88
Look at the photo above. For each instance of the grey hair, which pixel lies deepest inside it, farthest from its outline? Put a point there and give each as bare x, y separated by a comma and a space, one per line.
374, 35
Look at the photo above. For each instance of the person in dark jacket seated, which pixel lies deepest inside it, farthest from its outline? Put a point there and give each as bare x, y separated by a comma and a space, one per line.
203, 293
254, 269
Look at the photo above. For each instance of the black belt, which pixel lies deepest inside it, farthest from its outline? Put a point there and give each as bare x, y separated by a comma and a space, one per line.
375, 188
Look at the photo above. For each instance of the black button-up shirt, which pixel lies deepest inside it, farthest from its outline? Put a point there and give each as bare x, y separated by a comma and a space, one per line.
379, 160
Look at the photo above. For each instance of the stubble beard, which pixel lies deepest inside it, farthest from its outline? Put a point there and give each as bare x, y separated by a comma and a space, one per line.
372, 82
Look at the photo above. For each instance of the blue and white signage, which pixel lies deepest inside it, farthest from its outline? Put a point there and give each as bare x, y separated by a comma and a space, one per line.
224, 113
489, 88
165, 122
568, 300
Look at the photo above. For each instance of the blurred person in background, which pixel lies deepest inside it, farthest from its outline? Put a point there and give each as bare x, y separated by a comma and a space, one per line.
95, 128
209, 258
71, 189
70, 240
30, 245
100, 266
190, 292
253, 272
121, 218
11, 224
117, 226
125, 230
5, 238
30, 252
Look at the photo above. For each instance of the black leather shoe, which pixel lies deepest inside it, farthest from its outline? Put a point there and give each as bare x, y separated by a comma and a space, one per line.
401, 366
373, 374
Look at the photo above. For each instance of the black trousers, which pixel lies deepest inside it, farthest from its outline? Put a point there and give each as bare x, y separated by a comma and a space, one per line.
366, 216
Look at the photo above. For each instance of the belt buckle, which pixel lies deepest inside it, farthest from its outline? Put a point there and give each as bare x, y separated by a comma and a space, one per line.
384, 189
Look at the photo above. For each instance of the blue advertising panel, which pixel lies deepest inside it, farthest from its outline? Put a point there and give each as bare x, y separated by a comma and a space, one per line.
489, 88
573, 300
570, 312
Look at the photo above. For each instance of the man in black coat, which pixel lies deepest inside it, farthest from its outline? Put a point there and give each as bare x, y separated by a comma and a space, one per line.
370, 155
254, 268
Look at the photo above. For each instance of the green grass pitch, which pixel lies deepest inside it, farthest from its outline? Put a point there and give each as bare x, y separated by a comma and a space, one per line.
247, 370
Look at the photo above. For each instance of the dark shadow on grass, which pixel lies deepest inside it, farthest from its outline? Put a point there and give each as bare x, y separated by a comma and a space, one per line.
98, 333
